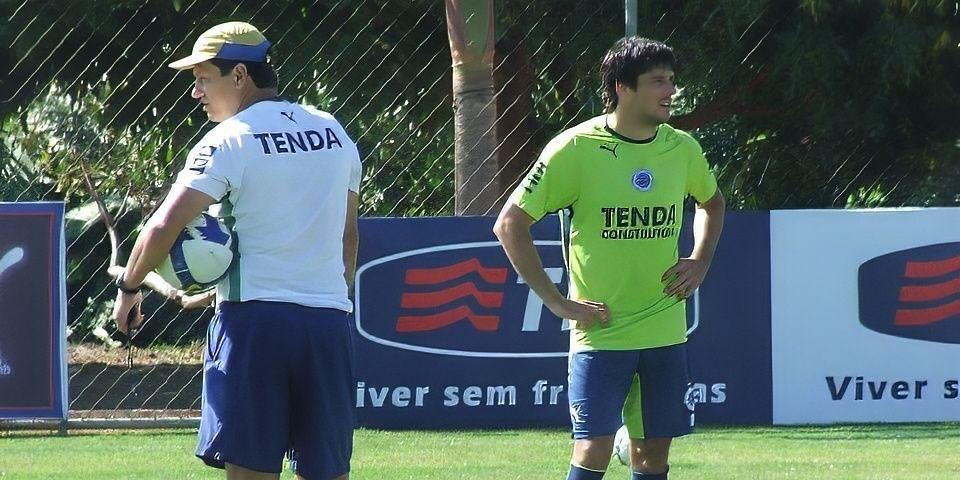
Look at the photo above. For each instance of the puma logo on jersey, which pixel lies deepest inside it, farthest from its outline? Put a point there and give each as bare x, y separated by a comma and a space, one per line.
612, 149
289, 116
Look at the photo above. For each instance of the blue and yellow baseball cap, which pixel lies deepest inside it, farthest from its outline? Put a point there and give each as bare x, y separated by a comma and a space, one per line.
229, 41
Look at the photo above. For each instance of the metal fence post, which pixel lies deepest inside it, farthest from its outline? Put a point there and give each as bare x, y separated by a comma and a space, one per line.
630, 12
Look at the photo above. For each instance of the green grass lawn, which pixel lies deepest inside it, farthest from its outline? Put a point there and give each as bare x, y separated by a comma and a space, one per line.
924, 451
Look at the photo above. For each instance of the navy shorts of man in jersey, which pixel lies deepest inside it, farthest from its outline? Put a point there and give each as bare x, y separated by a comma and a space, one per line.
661, 408
267, 367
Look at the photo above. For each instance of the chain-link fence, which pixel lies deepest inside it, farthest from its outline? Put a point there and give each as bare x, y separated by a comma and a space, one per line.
88, 95
790, 99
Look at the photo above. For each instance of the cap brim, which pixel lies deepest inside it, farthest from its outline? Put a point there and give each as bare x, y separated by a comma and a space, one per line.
188, 62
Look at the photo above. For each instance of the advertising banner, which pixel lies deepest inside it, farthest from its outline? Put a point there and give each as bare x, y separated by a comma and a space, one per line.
729, 326
32, 311
866, 315
448, 336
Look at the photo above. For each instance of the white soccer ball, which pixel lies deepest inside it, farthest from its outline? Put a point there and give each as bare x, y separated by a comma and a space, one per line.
200, 256
621, 446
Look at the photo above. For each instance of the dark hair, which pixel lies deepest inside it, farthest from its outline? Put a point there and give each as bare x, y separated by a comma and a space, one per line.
262, 73
626, 60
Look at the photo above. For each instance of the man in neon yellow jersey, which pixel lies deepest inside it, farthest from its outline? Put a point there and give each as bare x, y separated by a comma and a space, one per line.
625, 176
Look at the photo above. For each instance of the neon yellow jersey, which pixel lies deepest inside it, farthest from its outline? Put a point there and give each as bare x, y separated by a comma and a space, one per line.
627, 202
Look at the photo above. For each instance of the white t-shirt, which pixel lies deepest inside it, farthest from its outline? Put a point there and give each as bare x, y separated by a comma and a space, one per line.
281, 172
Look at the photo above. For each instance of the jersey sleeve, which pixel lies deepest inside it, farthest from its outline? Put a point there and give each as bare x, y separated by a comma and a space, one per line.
356, 167
552, 183
701, 183
210, 168
356, 171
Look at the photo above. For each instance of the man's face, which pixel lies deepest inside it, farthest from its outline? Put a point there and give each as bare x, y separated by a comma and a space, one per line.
650, 102
220, 95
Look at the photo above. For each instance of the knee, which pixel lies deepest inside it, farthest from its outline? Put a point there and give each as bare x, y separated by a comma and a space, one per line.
593, 453
650, 456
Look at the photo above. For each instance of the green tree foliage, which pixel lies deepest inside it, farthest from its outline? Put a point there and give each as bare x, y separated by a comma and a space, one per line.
823, 103
802, 103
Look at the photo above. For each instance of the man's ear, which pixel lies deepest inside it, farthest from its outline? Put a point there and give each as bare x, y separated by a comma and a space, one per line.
239, 72
620, 88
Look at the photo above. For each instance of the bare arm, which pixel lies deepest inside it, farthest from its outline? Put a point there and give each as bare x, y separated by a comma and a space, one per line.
513, 231
707, 225
153, 244
351, 239
687, 275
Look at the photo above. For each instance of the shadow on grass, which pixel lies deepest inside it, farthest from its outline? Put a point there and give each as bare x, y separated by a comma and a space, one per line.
153, 433
819, 433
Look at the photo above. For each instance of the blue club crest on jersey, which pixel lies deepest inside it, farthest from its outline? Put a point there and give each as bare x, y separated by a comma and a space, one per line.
643, 180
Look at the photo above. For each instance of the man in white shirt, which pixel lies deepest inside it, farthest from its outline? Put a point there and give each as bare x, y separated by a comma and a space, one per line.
278, 368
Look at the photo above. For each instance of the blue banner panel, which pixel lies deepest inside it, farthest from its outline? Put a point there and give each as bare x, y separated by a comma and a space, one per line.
729, 326
448, 336
32, 311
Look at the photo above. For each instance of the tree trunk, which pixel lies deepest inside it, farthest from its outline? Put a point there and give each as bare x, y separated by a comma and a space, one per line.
470, 29
517, 128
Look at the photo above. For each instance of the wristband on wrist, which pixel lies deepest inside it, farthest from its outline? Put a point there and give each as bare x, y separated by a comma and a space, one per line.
123, 288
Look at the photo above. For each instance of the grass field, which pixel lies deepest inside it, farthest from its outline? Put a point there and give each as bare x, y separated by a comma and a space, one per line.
925, 451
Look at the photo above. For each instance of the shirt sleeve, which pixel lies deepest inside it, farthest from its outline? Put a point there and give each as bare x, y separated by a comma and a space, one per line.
356, 167
552, 183
356, 171
210, 168
701, 183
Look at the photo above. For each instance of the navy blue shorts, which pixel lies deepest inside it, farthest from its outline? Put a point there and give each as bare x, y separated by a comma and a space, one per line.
658, 383
278, 379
